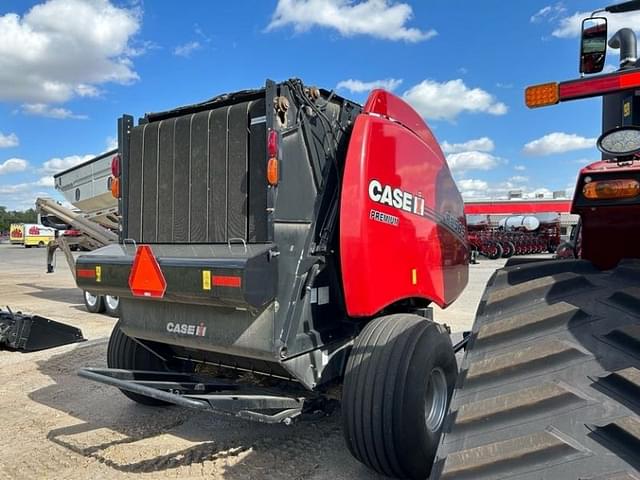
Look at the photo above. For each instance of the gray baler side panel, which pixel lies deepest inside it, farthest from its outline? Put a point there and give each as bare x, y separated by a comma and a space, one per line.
189, 178
134, 195
257, 174
297, 192
238, 166
199, 170
229, 331
150, 191
218, 175
165, 172
181, 174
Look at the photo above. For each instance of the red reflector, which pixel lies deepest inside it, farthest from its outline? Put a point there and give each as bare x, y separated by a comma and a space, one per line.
226, 281
596, 86
272, 143
86, 273
115, 166
146, 278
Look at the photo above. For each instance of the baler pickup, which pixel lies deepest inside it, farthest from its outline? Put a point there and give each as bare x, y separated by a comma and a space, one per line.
203, 393
33, 332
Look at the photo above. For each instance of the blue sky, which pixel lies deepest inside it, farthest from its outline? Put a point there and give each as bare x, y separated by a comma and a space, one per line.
70, 68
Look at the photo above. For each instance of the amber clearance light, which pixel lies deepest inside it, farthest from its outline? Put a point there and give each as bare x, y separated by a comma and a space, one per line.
542, 95
609, 189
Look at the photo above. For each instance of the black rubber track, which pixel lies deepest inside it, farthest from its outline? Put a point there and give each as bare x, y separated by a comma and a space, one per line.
550, 385
384, 391
125, 353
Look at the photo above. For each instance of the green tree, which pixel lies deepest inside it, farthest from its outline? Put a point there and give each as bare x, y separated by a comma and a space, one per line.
7, 217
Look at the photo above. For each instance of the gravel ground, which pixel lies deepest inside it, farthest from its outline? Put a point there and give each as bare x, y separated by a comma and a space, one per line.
56, 425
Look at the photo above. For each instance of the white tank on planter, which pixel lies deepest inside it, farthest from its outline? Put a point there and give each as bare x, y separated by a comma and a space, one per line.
516, 222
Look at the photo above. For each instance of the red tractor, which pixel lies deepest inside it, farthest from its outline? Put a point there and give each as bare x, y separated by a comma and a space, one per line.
550, 384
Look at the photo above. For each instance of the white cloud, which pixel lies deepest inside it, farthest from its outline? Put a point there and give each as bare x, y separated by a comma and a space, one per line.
187, 49
445, 101
569, 27
549, 13
63, 48
112, 143
483, 144
56, 165
46, 181
22, 196
473, 160
475, 189
378, 18
358, 86
43, 110
9, 140
13, 165
558, 142
585, 161
520, 168
472, 184
518, 179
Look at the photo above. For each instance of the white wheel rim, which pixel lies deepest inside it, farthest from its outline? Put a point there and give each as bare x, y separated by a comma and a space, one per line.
435, 401
91, 299
112, 302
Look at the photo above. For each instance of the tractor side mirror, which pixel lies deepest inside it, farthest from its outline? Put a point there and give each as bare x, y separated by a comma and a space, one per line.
593, 45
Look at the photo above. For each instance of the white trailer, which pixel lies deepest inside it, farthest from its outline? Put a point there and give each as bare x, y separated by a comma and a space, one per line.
95, 216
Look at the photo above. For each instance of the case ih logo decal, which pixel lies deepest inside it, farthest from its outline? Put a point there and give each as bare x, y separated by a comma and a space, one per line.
408, 202
395, 197
186, 329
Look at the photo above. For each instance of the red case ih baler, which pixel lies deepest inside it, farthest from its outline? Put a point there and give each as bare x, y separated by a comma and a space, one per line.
294, 235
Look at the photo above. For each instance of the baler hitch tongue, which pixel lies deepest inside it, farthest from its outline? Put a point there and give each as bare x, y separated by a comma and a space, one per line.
19, 331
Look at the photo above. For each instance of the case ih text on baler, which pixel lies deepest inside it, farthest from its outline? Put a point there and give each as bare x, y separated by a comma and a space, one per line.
550, 382
280, 247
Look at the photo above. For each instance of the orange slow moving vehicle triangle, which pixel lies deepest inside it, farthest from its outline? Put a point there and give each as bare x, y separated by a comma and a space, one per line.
146, 278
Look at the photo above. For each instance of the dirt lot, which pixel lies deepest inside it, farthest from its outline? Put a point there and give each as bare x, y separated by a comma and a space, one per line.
56, 425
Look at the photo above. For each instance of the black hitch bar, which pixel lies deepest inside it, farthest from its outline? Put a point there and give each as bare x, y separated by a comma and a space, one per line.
200, 393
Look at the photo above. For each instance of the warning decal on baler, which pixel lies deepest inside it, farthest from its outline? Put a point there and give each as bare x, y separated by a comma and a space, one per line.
206, 279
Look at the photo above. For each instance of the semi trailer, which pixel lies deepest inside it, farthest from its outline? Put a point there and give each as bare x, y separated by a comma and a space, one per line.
550, 383
280, 248
93, 219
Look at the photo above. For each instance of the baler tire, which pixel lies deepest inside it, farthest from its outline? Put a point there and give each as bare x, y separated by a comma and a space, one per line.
550, 383
93, 303
398, 381
125, 353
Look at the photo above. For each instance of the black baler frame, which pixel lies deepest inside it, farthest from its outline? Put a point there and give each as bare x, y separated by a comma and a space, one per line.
204, 393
